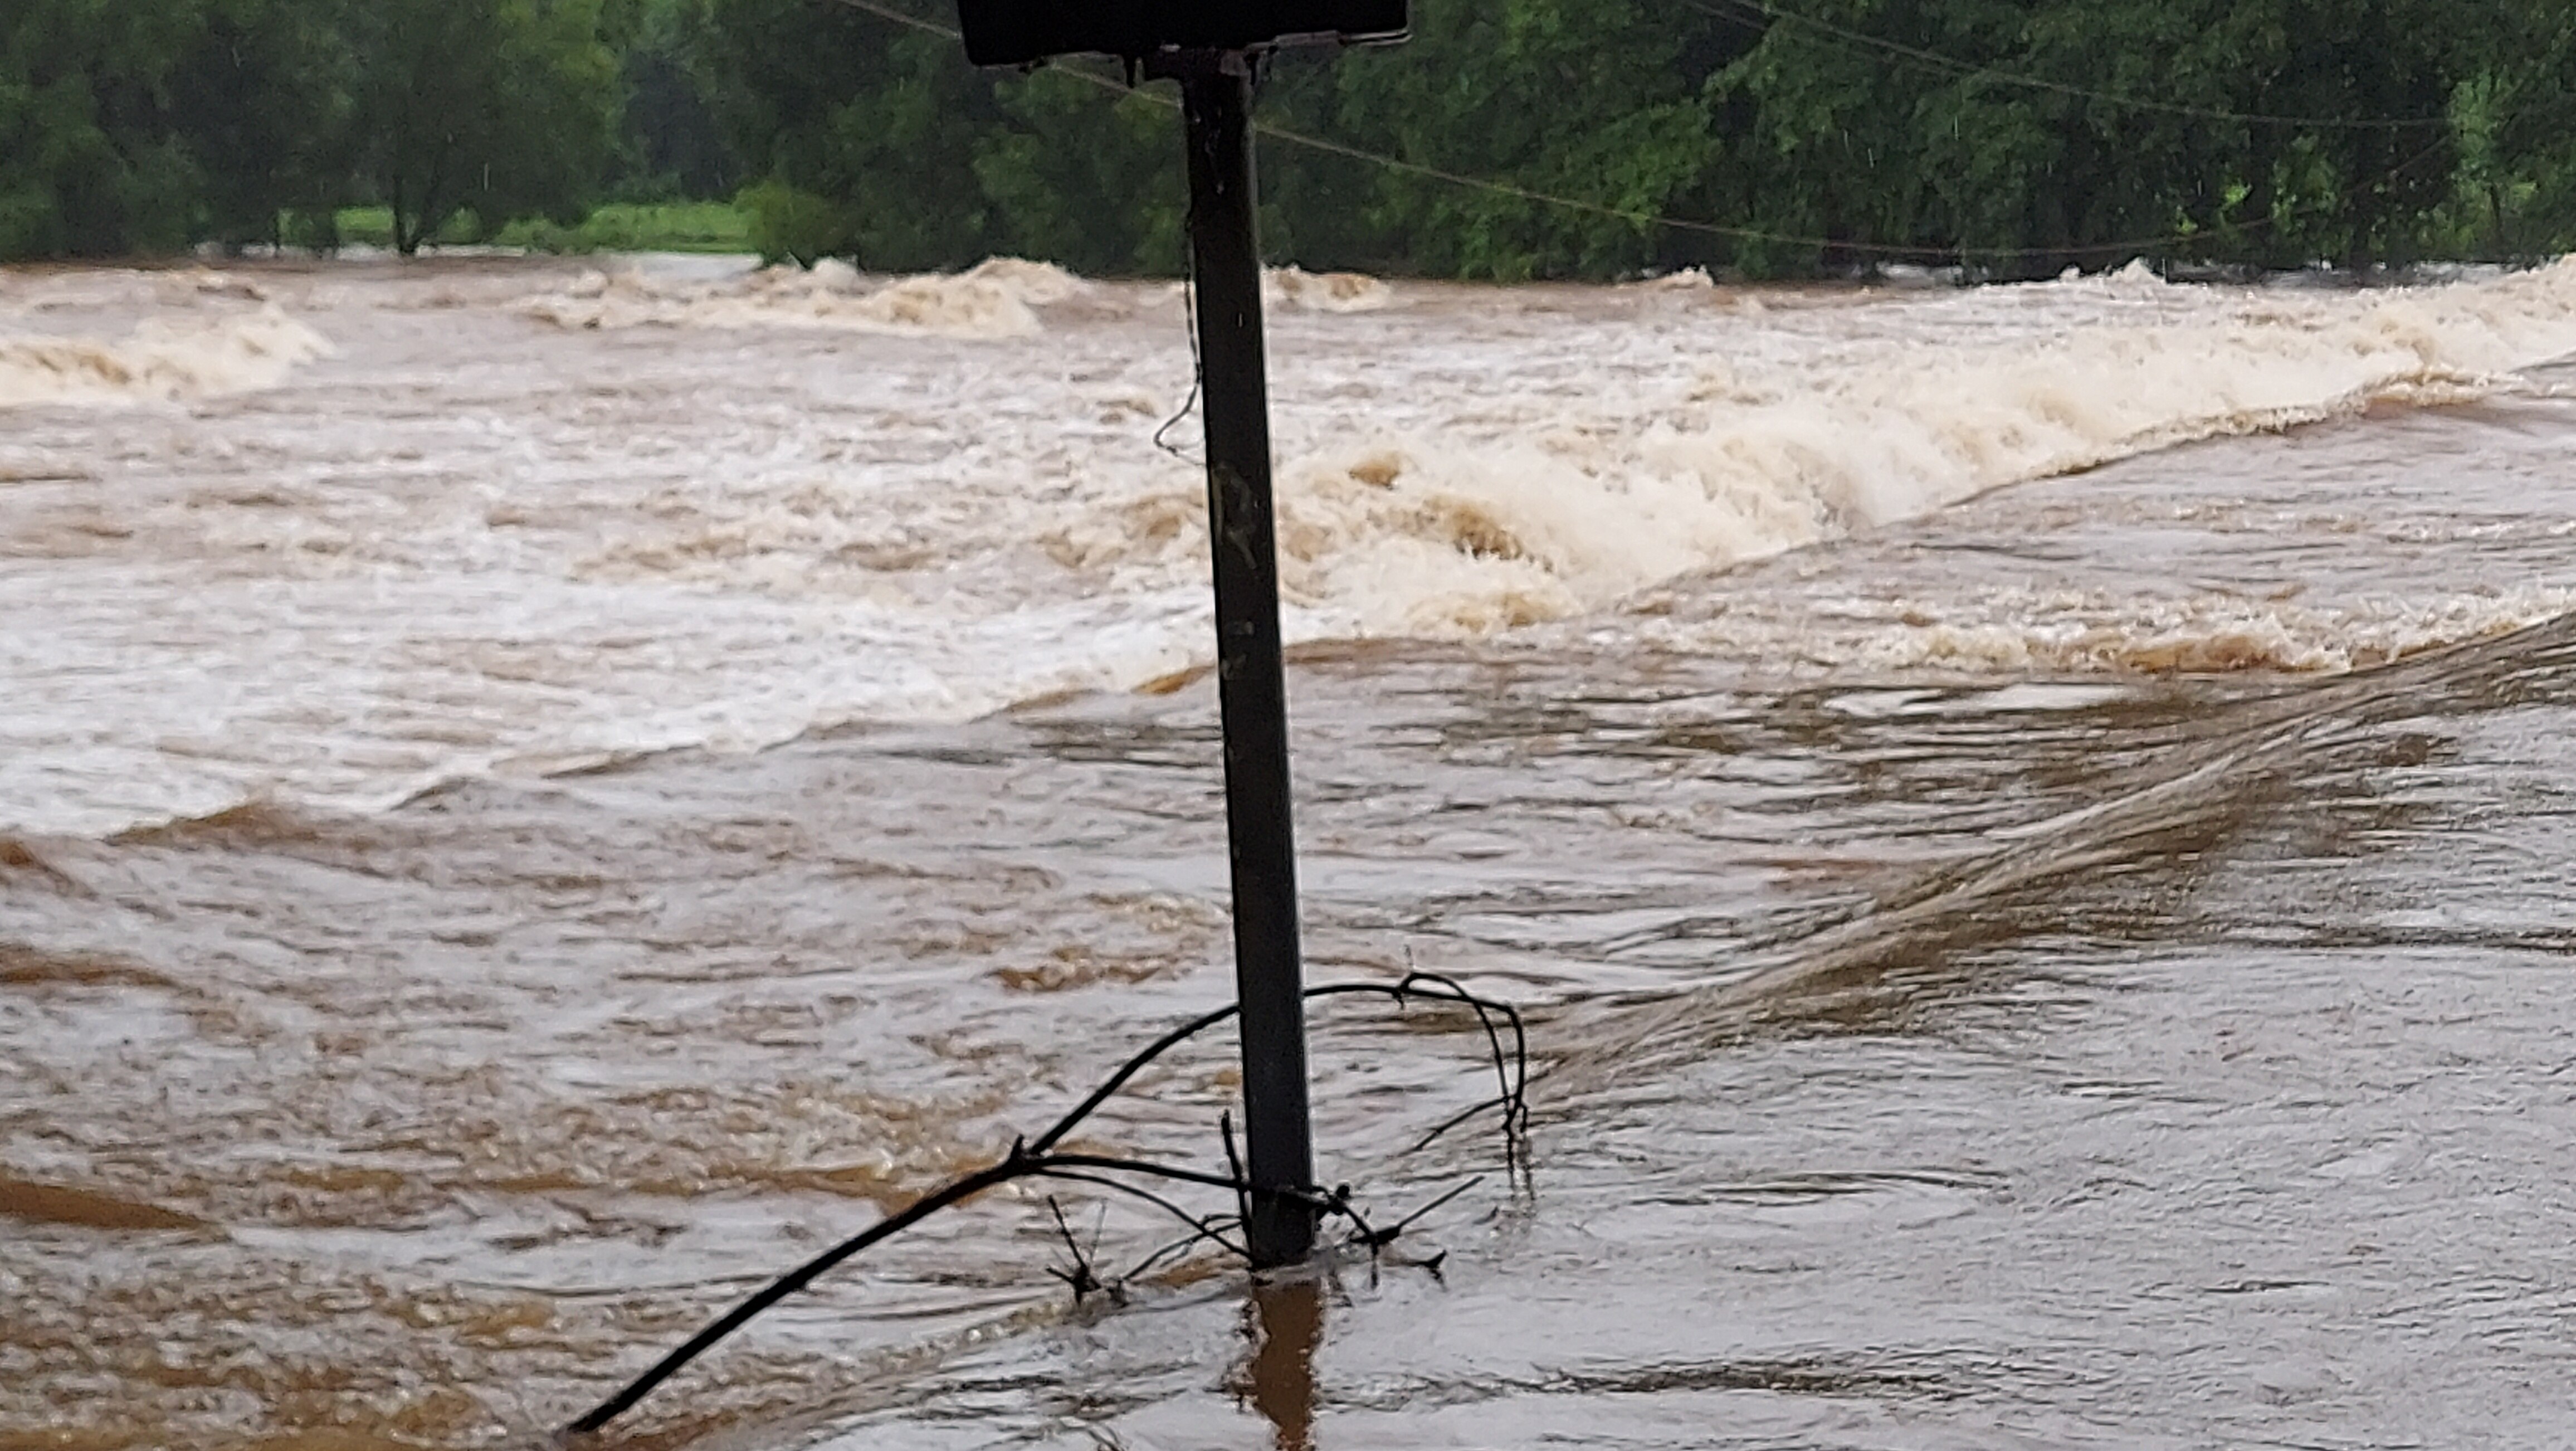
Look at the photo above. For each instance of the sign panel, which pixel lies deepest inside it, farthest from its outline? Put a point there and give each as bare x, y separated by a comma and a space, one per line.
1021, 32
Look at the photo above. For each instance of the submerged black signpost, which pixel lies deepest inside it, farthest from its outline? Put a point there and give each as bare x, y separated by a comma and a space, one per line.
1210, 47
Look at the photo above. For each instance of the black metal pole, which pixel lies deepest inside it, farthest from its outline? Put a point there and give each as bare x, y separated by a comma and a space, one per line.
1216, 102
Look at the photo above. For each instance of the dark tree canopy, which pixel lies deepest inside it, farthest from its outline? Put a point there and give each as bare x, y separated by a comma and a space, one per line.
2008, 137
2011, 137
130, 127
502, 106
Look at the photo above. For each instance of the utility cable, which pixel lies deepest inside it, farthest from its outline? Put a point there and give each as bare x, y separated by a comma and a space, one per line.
1198, 368
1735, 12
1641, 219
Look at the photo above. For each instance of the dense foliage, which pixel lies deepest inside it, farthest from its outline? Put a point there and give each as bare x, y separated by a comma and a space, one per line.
128, 127
2011, 137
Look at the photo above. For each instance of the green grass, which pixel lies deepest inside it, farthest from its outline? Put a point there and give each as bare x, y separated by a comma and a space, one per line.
639, 227
374, 227
616, 227
367, 226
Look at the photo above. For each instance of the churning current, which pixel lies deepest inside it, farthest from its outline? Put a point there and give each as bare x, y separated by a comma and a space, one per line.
2031, 825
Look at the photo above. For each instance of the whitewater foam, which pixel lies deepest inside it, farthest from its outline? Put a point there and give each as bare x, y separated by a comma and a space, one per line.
1569, 505
2013, 630
161, 360
998, 299
1304, 291
560, 547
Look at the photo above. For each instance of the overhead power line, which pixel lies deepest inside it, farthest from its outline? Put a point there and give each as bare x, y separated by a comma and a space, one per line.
1739, 13
1890, 250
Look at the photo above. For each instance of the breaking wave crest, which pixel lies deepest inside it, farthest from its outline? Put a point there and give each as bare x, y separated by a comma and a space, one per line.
997, 299
1434, 533
162, 360
1303, 291
639, 545
1003, 297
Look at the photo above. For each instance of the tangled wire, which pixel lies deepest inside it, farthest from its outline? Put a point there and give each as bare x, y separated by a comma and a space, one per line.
1040, 1158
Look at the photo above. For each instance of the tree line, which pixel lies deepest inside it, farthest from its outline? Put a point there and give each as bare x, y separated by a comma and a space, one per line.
1510, 139
138, 128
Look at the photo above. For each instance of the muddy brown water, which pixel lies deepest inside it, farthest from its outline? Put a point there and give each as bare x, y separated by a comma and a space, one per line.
2084, 964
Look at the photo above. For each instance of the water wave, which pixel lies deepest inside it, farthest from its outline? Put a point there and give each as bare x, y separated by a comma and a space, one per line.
1426, 532
1296, 288
632, 545
997, 299
2015, 631
162, 360
1003, 297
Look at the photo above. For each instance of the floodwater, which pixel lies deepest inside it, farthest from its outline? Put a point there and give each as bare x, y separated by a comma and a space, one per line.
2031, 826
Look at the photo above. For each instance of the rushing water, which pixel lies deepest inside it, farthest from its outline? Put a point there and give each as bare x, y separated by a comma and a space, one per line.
2031, 824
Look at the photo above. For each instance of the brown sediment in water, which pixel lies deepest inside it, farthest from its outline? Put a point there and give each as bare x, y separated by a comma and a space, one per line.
60, 1204
1174, 682
62, 1440
331, 1440
499, 1093
23, 966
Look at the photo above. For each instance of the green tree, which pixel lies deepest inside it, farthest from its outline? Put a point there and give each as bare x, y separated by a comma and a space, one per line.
90, 161
2028, 134
1091, 179
2012, 136
877, 122
1599, 101
2517, 103
669, 141
260, 103
501, 106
